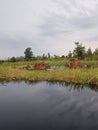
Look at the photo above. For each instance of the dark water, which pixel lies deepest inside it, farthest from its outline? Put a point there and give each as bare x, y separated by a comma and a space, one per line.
48, 106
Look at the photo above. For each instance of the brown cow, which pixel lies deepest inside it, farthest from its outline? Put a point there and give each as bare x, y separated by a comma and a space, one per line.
74, 64
40, 66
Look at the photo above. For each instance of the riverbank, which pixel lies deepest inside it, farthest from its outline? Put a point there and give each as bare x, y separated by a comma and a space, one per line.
10, 71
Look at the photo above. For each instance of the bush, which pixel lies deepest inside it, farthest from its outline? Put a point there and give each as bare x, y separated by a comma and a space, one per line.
13, 59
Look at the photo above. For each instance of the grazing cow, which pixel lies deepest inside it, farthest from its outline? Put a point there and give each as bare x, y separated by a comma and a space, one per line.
40, 66
74, 64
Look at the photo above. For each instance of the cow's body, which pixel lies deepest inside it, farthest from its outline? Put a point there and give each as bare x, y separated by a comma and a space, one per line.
40, 66
74, 64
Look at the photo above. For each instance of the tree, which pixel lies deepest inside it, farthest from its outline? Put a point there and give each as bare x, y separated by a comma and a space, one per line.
44, 56
89, 53
79, 51
49, 55
96, 51
28, 53
70, 54
62, 56
13, 59
20, 58
95, 54
55, 56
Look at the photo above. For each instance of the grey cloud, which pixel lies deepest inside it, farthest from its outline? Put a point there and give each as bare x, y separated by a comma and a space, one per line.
15, 46
10, 46
58, 23
46, 25
84, 22
92, 38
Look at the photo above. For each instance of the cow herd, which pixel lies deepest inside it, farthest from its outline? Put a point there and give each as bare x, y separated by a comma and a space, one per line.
69, 64
44, 65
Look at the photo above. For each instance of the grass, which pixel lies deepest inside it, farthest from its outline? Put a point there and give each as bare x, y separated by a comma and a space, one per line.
13, 71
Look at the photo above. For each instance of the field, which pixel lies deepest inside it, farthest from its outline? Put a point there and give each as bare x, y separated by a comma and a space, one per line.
16, 71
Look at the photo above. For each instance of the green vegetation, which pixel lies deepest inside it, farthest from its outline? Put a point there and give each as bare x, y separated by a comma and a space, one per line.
16, 71
79, 51
16, 68
28, 53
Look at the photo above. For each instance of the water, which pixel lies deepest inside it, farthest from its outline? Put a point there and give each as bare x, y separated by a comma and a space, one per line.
48, 106
56, 67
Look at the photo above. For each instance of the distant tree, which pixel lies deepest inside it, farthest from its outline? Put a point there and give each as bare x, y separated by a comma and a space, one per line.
28, 53
95, 54
96, 51
49, 55
1, 61
38, 57
62, 56
20, 58
89, 53
44, 56
13, 59
69, 54
79, 51
55, 56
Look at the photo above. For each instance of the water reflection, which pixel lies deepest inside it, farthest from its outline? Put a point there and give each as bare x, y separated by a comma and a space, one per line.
74, 86
47, 106
70, 86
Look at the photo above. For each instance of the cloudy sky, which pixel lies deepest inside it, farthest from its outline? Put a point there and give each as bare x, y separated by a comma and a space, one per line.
47, 26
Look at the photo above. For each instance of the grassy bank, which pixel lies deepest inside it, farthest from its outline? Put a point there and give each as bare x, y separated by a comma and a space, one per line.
13, 71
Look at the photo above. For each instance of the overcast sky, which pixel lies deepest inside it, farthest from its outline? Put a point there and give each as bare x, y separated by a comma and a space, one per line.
47, 26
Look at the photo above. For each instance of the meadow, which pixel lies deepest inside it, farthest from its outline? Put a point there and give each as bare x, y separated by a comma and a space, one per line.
16, 71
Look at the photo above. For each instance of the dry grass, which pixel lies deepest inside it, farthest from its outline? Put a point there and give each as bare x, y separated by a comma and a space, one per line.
82, 76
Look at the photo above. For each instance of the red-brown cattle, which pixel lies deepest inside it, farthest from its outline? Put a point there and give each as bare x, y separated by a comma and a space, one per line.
40, 66
74, 64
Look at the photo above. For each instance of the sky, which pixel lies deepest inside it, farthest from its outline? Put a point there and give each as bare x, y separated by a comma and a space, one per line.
47, 26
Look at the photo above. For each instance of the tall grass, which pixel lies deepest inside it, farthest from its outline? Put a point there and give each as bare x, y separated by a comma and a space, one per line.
13, 71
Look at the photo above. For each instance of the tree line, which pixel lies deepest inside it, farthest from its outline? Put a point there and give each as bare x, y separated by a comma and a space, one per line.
79, 52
